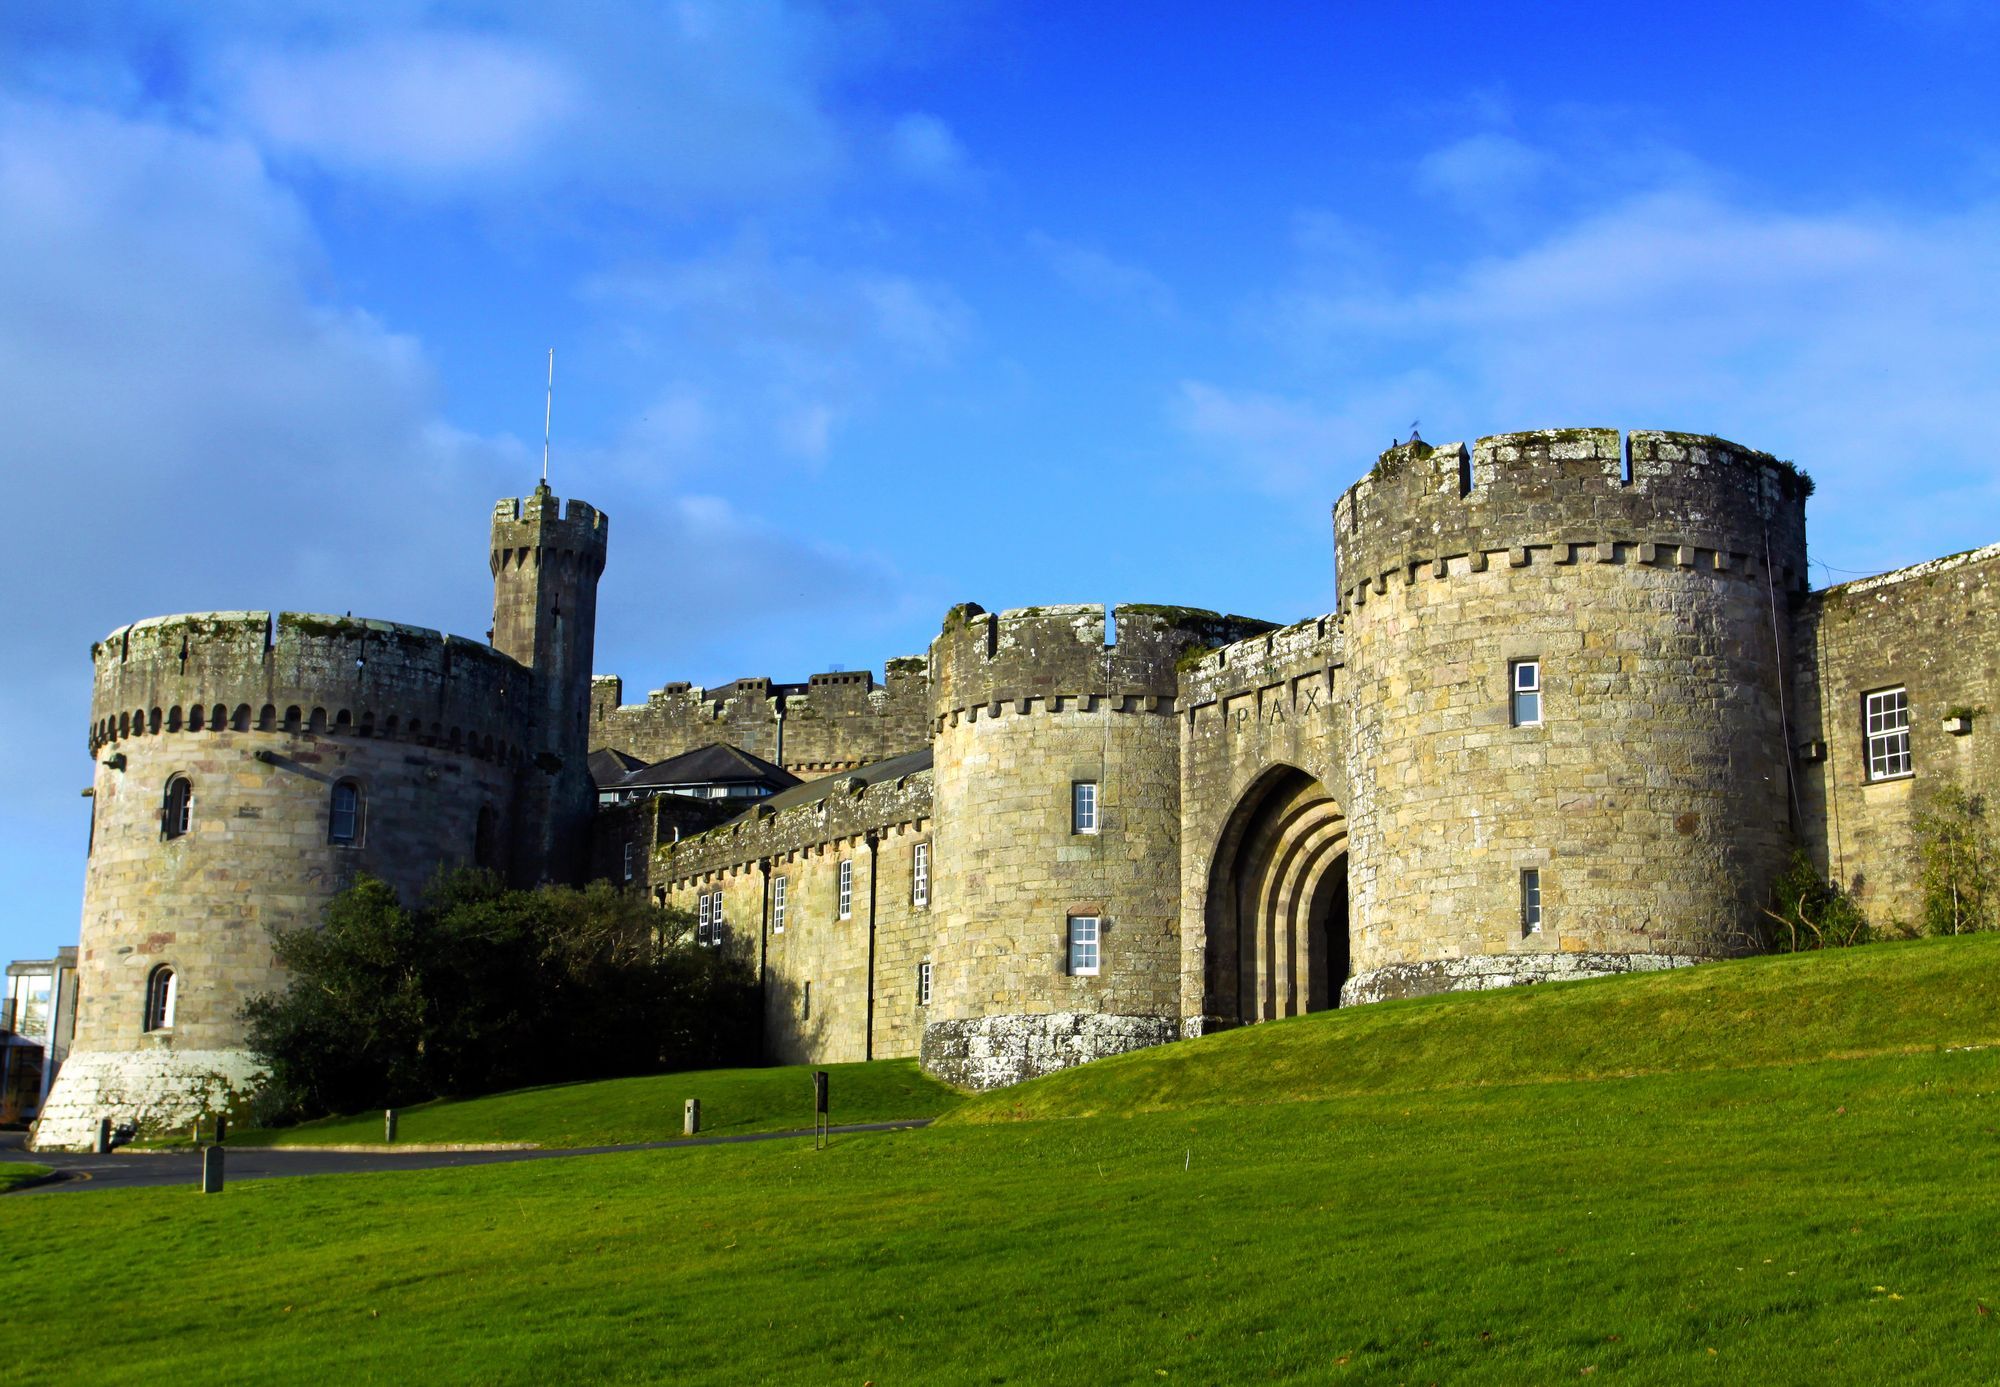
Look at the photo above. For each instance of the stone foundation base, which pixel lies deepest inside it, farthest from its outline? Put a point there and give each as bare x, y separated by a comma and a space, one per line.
994, 1051
156, 1090
1497, 970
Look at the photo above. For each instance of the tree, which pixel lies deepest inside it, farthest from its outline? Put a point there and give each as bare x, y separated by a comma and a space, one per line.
479, 988
1957, 872
1809, 912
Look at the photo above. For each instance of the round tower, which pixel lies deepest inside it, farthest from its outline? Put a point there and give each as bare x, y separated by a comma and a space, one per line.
246, 770
546, 564
1569, 753
1057, 793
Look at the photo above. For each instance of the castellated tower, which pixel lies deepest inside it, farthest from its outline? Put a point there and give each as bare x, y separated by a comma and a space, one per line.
1566, 687
545, 570
1057, 773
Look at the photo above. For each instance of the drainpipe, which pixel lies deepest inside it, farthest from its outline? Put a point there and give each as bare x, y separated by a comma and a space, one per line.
763, 959
868, 1037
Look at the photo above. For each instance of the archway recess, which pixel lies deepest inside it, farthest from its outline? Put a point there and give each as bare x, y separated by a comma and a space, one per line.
1276, 910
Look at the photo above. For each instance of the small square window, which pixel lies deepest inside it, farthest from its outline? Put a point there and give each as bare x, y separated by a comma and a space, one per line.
1083, 946
1531, 901
1083, 806
1525, 681
778, 885
920, 875
924, 983
1886, 717
847, 888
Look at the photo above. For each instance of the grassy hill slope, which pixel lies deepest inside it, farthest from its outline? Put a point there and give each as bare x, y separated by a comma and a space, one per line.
1888, 999
1776, 1214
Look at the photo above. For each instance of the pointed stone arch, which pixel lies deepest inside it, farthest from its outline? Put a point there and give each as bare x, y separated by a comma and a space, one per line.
1276, 904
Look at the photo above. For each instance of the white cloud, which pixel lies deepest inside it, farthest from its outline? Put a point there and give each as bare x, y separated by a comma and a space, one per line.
1481, 170
415, 106
924, 148
1098, 276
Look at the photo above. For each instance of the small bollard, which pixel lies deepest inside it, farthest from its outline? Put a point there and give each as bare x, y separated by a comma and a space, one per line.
389, 1125
820, 1136
691, 1118
103, 1147
211, 1170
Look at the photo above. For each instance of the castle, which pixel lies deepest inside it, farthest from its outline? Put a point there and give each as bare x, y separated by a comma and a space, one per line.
1576, 709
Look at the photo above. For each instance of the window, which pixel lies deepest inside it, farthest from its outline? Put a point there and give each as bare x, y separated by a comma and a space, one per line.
343, 826
1887, 714
924, 983
1083, 946
1525, 678
806, 1002
178, 815
628, 861
846, 888
701, 919
715, 921
920, 876
778, 905
1083, 807
161, 991
1531, 901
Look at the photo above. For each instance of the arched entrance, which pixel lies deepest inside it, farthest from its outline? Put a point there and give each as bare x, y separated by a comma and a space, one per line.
1277, 903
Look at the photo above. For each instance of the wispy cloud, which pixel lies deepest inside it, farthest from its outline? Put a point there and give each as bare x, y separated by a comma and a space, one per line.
1099, 276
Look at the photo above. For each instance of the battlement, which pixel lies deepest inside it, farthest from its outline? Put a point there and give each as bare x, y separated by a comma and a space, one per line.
1288, 652
1558, 490
303, 672
852, 808
982, 663
529, 527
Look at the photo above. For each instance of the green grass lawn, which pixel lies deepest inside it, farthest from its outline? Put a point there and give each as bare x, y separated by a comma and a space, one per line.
618, 1111
1775, 1211
14, 1174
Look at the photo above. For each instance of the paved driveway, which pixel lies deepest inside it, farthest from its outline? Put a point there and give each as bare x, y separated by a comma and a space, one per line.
131, 1170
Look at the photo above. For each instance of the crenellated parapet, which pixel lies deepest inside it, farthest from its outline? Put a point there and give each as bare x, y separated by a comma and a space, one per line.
985, 664
851, 808
246, 671
1569, 496
536, 530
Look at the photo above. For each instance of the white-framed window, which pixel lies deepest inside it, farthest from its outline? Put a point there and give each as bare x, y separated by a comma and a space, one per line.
778, 885
1083, 807
715, 920
920, 875
1886, 716
177, 812
924, 983
162, 991
628, 861
846, 888
343, 818
701, 918
1083, 946
1531, 901
1524, 680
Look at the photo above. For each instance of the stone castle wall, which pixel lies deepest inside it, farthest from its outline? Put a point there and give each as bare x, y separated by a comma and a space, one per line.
835, 722
1933, 629
1651, 798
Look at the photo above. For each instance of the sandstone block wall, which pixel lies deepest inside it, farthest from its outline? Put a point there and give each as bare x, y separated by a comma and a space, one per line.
1933, 629
1652, 797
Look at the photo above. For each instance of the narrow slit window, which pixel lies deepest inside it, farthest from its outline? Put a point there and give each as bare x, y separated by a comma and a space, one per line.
162, 992
924, 983
1083, 956
847, 888
778, 892
1531, 901
1083, 806
920, 874
806, 1002
628, 861
1887, 716
1525, 679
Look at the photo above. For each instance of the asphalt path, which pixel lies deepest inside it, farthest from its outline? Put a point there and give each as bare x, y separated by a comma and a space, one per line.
142, 1169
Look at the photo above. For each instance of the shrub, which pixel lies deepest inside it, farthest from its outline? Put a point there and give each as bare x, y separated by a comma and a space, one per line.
1809, 912
480, 988
1956, 863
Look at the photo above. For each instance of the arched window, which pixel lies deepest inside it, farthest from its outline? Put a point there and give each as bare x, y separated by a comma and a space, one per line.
343, 827
161, 993
177, 814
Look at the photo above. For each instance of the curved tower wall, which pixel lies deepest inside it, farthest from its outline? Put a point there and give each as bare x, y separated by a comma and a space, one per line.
1028, 703
1652, 798
263, 717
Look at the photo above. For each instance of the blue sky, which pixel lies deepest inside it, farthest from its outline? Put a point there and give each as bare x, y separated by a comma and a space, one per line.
861, 310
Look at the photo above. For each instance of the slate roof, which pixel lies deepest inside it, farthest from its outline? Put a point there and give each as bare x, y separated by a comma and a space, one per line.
813, 791
608, 767
715, 764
